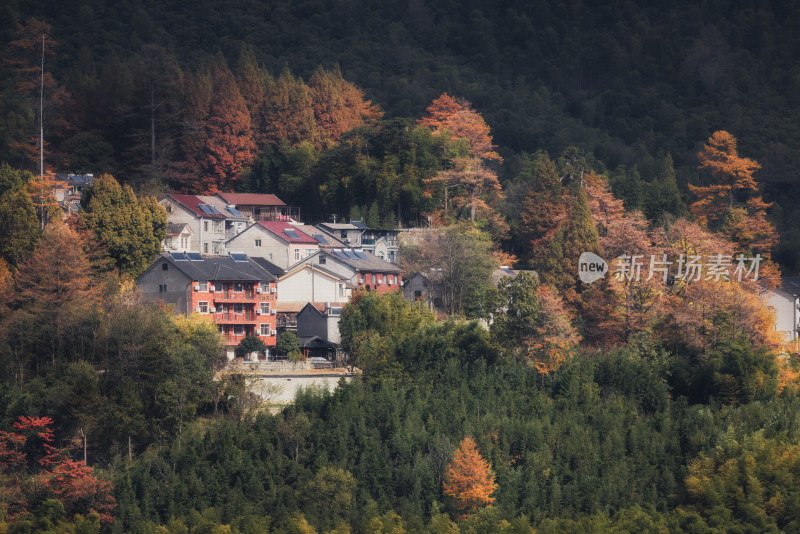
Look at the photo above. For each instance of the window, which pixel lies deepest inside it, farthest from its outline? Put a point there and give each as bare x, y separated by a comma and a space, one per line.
265, 308
162, 288
270, 255
390, 279
265, 330
203, 286
297, 254
309, 252
202, 307
341, 290
238, 330
205, 248
360, 280
217, 227
165, 266
168, 242
205, 226
380, 279
238, 287
258, 242
238, 308
343, 233
322, 260
217, 286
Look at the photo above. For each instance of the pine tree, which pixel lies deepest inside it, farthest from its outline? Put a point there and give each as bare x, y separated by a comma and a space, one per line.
469, 481
288, 112
229, 146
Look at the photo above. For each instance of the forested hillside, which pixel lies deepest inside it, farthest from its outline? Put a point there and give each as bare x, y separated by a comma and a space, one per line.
657, 396
628, 83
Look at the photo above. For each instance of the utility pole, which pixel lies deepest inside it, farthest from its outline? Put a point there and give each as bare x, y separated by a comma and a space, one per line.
41, 140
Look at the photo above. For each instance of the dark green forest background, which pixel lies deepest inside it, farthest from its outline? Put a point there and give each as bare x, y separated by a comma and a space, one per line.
684, 422
628, 82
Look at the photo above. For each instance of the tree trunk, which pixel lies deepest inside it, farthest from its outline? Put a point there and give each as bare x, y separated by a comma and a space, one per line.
83, 435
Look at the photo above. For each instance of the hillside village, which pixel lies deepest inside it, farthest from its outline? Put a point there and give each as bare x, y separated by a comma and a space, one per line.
399, 268
247, 263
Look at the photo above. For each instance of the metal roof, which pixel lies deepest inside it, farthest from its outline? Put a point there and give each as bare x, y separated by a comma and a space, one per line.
362, 261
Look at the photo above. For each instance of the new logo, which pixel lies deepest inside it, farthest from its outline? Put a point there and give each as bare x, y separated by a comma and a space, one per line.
591, 267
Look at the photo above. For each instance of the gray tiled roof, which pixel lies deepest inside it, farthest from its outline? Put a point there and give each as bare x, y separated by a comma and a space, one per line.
269, 266
791, 284
363, 261
213, 268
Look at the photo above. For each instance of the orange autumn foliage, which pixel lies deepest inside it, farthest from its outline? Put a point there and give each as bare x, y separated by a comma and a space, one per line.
459, 118
706, 312
475, 186
469, 481
619, 232
555, 336
339, 106
730, 173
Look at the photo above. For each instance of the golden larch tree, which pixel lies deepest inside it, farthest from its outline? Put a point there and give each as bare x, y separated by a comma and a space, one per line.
469, 480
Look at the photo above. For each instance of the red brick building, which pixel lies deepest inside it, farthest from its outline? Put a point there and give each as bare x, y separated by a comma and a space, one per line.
234, 292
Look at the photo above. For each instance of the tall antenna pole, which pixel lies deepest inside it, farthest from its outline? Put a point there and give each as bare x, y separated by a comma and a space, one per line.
41, 137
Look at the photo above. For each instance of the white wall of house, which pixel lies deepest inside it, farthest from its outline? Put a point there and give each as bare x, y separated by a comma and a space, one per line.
330, 263
787, 316
209, 234
307, 284
258, 242
182, 242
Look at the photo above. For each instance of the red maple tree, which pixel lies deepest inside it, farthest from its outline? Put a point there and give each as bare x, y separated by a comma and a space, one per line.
32, 468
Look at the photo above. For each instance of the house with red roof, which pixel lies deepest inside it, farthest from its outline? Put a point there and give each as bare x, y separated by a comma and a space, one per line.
280, 243
261, 207
211, 221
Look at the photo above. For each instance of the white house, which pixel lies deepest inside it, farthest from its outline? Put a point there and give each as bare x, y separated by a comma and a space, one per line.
178, 238
313, 283
785, 301
278, 242
210, 220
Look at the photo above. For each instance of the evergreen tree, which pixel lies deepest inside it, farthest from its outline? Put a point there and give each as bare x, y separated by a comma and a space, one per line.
130, 228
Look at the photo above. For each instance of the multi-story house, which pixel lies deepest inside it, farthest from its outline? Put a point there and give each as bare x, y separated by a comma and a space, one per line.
785, 302
361, 269
347, 233
211, 220
278, 242
234, 292
178, 238
382, 243
261, 207
358, 236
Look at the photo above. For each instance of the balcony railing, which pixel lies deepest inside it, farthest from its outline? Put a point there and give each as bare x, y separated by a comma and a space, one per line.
234, 295
283, 322
236, 317
236, 338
